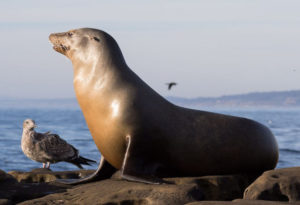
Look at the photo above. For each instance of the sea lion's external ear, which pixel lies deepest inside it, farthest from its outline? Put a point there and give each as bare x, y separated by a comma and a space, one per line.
70, 33
96, 39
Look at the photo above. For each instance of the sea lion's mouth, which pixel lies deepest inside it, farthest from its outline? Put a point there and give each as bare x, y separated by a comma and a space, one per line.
61, 48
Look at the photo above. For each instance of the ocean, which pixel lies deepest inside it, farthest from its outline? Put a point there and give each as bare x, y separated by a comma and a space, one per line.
69, 123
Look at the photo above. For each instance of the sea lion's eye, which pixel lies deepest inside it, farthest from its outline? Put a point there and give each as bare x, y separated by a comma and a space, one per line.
70, 34
96, 39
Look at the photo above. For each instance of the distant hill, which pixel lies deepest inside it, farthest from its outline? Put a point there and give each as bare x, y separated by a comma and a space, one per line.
256, 99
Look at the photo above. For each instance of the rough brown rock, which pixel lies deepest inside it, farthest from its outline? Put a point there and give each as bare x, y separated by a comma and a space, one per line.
4, 177
183, 190
115, 191
4, 180
242, 202
273, 186
6, 202
46, 175
225, 187
276, 185
12, 192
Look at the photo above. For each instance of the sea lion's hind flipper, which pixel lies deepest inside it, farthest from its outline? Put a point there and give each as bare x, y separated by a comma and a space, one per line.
131, 168
145, 179
104, 171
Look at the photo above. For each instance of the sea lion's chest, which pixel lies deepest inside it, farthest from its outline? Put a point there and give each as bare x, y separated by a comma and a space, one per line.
104, 119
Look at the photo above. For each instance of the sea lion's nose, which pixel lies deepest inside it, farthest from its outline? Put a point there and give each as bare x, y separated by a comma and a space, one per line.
51, 37
54, 36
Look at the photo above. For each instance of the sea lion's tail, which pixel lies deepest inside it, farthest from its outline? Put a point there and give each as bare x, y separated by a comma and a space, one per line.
81, 160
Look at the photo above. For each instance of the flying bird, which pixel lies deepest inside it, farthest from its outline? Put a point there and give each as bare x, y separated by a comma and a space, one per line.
49, 148
170, 85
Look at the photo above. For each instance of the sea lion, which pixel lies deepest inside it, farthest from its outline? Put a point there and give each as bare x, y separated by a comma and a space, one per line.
142, 134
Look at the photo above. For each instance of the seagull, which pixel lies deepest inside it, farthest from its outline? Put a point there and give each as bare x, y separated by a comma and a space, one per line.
170, 85
49, 148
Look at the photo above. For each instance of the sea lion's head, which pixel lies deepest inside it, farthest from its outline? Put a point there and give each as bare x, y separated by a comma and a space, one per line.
86, 45
29, 124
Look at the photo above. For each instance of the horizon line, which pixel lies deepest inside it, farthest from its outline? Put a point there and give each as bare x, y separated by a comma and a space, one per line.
169, 96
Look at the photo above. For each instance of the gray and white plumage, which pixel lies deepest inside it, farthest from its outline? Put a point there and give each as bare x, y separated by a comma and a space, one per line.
48, 148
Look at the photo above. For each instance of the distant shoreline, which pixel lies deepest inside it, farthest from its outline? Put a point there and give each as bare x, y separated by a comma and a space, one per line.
285, 99
262, 100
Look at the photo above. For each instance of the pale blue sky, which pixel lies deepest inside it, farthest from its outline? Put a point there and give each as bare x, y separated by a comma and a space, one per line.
210, 47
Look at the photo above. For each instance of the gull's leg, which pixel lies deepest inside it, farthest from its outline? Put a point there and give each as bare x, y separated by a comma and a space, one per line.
44, 165
48, 165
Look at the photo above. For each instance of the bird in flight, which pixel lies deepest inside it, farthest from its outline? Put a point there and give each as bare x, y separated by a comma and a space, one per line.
170, 85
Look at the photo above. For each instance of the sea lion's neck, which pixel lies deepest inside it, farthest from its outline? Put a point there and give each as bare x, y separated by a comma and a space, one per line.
109, 80
96, 75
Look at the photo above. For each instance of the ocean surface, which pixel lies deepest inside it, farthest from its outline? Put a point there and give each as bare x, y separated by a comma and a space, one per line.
70, 125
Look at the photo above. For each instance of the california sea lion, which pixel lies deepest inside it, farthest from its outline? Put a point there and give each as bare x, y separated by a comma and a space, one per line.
142, 134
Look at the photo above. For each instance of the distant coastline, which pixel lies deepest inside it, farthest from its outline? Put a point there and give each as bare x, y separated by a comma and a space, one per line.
281, 99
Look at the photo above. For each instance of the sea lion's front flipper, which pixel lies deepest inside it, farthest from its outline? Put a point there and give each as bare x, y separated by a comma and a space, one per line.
135, 169
104, 171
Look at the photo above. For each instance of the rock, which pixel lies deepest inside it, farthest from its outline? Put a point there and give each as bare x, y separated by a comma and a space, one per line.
223, 187
273, 187
242, 202
114, 191
19, 192
46, 175
276, 185
4, 177
11, 191
5, 202
183, 190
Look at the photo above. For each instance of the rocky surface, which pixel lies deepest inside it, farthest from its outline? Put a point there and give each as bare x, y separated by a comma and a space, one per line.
276, 185
46, 175
11, 191
242, 202
35, 187
117, 191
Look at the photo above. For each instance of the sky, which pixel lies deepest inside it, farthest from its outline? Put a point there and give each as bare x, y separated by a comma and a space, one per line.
209, 47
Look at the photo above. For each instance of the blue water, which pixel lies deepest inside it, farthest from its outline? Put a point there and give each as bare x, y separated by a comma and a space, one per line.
70, 125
